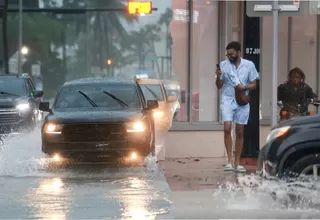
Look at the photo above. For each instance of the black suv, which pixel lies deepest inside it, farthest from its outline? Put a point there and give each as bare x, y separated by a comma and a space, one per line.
99, 117
292, 149
19, 104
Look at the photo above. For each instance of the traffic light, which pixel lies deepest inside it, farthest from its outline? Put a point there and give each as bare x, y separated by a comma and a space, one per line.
135, 8
109, 61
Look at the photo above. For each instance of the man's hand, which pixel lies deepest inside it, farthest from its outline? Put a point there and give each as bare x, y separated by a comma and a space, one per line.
219, 82
218, 72
241, 87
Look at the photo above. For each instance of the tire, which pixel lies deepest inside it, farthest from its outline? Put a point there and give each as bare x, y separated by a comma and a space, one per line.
303, 163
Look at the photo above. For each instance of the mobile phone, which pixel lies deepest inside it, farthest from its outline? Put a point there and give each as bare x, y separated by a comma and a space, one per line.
218, 66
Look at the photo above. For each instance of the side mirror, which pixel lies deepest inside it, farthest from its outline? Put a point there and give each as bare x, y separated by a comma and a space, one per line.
44, 106
172, 99
38, 94
152, 104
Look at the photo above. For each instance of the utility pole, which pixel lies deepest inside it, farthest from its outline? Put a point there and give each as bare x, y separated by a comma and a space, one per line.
275, 27
5, 38
20, 35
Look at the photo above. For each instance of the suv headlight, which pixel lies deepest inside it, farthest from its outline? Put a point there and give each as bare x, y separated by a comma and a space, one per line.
137, 126
23, 106
52, 128
277, 133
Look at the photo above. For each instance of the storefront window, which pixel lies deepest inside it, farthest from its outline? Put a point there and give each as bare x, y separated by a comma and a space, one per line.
179, 34
205, 52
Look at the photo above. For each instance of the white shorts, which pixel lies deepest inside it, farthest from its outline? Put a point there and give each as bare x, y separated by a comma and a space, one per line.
235, 113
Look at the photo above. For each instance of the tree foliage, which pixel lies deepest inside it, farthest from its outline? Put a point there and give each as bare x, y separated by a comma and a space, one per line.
98, 36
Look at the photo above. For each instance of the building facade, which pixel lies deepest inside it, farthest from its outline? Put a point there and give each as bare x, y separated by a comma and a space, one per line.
199, 44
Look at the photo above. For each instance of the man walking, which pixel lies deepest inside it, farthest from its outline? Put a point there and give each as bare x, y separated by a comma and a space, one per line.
241, 74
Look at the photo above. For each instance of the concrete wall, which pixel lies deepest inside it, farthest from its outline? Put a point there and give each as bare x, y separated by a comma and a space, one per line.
199, 144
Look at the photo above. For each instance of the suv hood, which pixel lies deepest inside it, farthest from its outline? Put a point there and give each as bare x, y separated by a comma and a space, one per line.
304, 120
11, 101
94, 116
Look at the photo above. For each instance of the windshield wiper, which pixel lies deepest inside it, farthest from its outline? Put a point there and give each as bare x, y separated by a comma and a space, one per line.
8, 93
152, 92
87, 97
122, 103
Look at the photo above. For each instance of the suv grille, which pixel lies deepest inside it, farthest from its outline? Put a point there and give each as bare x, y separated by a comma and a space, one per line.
8, 115
93, 132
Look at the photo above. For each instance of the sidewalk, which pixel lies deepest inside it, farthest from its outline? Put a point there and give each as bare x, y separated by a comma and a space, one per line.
200, 189
190, 174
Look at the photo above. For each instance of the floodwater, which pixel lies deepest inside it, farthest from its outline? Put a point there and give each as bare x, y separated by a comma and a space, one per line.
29, 189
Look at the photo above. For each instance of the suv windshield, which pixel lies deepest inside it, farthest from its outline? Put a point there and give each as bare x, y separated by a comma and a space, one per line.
72, 97
14, 86
152, 92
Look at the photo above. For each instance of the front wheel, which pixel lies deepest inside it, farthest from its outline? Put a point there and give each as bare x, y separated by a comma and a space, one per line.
307, 166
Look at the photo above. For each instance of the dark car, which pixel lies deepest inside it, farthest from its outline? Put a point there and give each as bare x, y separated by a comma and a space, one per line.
19, 104
292, 149
99, 117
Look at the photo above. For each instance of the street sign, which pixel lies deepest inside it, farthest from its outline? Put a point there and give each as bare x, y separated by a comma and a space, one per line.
287, 8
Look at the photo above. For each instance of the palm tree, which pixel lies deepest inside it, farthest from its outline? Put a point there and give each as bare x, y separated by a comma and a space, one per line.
143, 43
104, 30
165, 20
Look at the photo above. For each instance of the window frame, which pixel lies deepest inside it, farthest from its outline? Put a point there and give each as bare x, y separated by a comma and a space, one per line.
190, 125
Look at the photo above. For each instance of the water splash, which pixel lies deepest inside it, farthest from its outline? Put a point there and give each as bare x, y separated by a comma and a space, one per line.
251, 192
21, 156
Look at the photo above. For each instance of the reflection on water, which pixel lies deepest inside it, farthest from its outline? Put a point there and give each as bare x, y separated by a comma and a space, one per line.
50, 200
52, 186
136, 204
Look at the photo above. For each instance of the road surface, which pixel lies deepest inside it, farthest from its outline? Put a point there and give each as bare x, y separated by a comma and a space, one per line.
30, 190
177, 189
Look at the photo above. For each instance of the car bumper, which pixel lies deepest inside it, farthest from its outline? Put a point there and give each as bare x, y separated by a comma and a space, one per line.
265, 167
138, 143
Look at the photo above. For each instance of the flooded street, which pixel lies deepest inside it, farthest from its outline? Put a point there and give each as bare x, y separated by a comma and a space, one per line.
30, 190
187, 189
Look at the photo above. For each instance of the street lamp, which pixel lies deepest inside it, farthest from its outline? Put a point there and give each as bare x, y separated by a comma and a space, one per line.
24, 50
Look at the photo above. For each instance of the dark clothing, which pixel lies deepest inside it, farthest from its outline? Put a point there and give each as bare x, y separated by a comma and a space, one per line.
294, 96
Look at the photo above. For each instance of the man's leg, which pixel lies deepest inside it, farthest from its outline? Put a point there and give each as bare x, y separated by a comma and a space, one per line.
239, 143
228, 139
227, 118
241, 119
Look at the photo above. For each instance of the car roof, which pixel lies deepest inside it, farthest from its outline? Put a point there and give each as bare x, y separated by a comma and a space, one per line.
100, 81
149, 81
13, 75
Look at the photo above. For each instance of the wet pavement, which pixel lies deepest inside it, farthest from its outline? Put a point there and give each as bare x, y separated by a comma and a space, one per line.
189, 188
29, 189
200, 189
